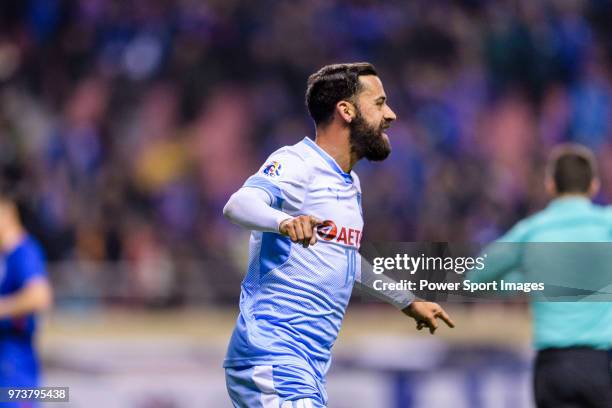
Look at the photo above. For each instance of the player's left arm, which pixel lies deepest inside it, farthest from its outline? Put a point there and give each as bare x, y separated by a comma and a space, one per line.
34, 293
35, 296
365, 281
424, 313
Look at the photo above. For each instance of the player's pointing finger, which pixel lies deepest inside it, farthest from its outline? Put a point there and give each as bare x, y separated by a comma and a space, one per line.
449, 322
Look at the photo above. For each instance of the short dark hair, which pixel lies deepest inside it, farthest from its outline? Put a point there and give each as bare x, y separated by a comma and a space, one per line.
572, 167
331, 84
10, 177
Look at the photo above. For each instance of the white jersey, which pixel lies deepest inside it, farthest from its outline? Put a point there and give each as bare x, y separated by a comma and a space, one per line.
293, 298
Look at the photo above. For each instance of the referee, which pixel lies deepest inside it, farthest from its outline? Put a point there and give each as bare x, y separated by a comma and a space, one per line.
572, 339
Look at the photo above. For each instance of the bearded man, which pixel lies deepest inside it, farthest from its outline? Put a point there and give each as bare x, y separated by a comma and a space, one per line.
295, 293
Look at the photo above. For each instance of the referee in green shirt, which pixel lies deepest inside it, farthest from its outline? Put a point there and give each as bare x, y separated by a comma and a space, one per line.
572, 339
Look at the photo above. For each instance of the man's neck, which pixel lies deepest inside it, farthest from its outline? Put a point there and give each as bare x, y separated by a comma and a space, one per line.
573, 195
335, 141
10, 237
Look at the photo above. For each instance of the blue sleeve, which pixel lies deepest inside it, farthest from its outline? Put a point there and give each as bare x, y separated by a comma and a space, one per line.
29, 264
275, 193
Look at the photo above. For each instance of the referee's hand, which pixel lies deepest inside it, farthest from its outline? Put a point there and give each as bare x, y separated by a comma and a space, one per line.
426, 313
301, 229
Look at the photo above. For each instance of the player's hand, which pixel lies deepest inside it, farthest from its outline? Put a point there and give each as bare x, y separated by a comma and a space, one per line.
301, 229
426, 313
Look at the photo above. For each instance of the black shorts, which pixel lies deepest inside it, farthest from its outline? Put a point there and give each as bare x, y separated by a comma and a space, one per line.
575, 377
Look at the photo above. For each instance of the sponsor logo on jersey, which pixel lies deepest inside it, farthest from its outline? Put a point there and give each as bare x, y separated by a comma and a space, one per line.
272, 169
329, 231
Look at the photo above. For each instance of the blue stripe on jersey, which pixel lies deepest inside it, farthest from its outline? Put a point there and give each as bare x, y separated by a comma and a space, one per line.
347, 177
273, 191
275, 250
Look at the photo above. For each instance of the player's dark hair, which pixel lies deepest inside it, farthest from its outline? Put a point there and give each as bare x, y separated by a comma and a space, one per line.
331, 84
12, 190
572, 168
10, 177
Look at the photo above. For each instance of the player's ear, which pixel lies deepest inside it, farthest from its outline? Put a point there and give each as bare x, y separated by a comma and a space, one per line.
549, 185
346, 110
594, 187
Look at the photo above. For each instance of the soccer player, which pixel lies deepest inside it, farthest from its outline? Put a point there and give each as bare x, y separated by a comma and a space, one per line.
304, 208
24, 292
572, 339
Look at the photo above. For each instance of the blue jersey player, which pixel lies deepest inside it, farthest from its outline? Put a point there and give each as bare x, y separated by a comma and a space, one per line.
304, 208
24, 291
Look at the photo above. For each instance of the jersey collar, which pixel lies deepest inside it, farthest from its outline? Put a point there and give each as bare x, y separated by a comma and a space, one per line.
330, 160
571, 201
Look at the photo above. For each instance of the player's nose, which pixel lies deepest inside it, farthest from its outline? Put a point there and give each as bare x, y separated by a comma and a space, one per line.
390, 116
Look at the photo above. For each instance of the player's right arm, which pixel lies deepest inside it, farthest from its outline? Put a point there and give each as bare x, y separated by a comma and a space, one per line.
267, 197
251, 208
34, 293
34, 297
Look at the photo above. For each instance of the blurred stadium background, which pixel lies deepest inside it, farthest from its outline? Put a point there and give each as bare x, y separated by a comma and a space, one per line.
129, 124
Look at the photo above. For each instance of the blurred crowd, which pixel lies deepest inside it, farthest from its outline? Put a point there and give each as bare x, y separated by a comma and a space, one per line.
130, 123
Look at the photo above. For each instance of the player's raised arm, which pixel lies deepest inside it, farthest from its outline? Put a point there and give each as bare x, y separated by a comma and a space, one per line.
301, 229
271, 200
251, 208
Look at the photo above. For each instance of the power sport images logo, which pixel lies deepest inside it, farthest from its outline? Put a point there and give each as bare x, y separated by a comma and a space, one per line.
329, 231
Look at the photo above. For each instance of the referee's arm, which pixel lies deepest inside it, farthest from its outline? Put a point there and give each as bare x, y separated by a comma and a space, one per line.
501, 257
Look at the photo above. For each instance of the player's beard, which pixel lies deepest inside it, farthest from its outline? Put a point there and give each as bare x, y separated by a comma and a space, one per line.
367, 140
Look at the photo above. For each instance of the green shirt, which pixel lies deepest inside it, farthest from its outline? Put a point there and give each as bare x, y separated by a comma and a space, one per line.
554, 252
